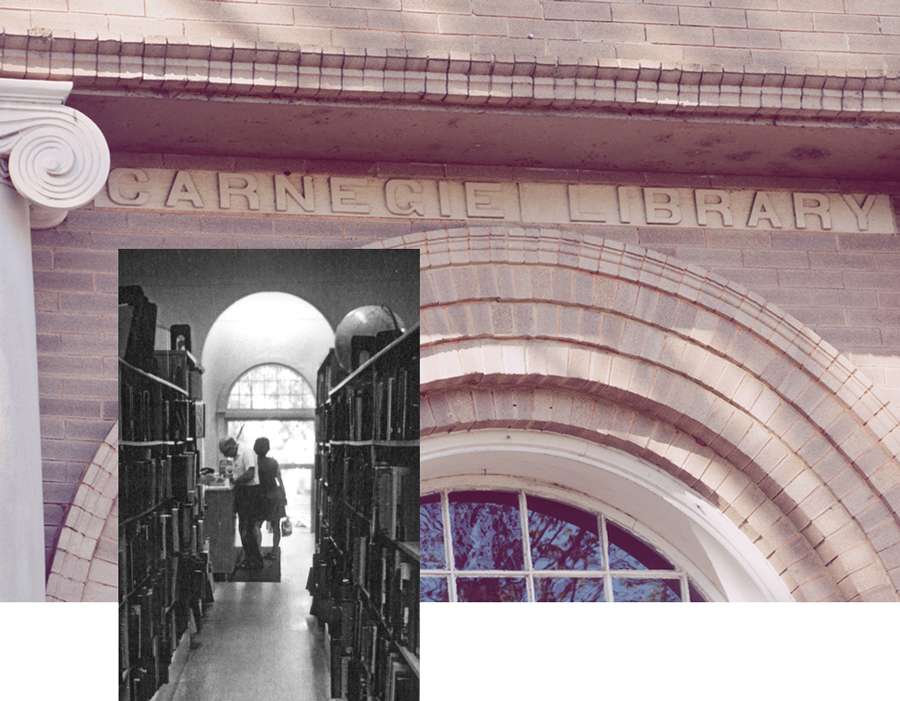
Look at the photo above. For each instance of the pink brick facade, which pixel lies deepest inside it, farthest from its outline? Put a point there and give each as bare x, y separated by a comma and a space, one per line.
701, 377
778, 95
832, 34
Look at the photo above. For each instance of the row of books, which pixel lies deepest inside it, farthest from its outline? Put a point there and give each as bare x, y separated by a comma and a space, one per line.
148, 416
152, 620
387, 577
366, 664
145, 484
385, 494
383, 407
364, 575
391, 582
161, 538
179, 368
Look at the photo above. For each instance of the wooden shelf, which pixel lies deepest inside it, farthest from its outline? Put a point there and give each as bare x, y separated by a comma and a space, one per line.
154, 377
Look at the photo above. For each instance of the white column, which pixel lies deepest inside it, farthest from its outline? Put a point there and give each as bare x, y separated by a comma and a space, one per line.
52, 159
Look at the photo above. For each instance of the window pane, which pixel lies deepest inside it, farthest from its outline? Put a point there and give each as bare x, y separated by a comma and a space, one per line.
695, 595
486, 531
491, 589
431, 534
562, 538
292, 442
271, 387
627, 552
433, 589
646, 589
568, 589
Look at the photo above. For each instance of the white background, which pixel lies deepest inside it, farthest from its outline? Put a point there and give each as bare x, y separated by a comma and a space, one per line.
473, 652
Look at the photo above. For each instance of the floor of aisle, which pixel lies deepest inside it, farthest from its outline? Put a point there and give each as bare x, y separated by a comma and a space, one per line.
258, 641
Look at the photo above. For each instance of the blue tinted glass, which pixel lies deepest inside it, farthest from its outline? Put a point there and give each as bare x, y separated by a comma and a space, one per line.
431, 534
562, 538
486, 531
433, 589
646, 589
627, 552
491, 589
568, 589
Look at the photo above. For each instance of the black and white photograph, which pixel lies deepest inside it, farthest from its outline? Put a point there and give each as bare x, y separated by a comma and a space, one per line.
268, 473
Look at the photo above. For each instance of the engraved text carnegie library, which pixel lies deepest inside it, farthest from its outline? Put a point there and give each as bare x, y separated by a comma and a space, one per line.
509, 201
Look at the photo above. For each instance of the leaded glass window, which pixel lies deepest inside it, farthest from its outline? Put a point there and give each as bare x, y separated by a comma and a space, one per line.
513, 546
271, 387
277, 402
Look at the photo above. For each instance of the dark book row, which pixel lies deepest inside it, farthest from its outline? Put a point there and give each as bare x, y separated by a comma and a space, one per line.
179, 368
171, 530
152, 621
144, 484
384, 406
378, 574
366, 664
383, 494
364, 578
153, 412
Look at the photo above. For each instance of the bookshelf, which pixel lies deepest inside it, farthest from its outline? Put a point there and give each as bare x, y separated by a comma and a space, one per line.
163, 569
365, 572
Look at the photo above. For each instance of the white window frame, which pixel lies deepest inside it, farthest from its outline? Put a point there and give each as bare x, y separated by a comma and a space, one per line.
722, 563
529, 573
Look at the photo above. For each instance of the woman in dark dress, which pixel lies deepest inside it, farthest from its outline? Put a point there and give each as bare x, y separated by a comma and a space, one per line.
272, 493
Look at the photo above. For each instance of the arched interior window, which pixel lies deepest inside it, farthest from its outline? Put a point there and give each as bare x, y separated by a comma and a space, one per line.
513, 546
271, 387
277, 402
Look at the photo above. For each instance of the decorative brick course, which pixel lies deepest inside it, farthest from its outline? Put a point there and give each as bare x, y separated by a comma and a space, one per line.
85, 560
765, 403
532, 57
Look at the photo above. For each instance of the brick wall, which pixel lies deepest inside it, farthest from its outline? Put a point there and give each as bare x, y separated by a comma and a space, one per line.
846, 287
617, 345
76, 303
825, 34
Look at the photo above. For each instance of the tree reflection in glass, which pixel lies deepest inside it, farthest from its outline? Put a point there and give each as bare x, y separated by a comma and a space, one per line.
433, 589
486, 531
562, 538
491, 589
484, 539
646, 590
627, 552
431, 534
562, 589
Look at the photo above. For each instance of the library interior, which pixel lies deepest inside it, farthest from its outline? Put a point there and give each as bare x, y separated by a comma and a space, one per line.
269, 473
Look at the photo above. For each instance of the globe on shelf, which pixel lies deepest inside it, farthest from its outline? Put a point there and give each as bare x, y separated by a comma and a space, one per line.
373, 327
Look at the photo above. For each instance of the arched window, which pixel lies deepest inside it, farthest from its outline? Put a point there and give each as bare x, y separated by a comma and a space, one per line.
271, 387
277, 402
513, 546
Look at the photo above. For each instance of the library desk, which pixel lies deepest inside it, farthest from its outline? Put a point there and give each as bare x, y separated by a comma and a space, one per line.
220, 528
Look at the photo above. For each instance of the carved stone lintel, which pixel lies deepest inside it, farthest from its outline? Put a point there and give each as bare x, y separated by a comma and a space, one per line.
57, 158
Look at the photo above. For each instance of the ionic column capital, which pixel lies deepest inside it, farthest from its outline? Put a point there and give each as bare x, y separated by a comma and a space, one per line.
57, 158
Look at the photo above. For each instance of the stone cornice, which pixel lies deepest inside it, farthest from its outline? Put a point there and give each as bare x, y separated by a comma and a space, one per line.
57, 158
288, 71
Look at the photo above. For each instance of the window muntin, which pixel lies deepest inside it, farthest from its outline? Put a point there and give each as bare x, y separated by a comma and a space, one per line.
271, 387
513, 546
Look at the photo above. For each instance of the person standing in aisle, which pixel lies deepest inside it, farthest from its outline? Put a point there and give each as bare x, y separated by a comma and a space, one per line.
274, 494
246, 499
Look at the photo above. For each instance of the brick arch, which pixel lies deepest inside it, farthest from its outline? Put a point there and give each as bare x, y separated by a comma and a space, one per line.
85, 565
698, 375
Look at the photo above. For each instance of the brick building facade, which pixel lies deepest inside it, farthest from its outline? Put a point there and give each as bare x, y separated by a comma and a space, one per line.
668, 229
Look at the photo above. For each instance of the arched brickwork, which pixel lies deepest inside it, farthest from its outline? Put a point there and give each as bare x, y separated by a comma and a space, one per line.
550, 331
85, 566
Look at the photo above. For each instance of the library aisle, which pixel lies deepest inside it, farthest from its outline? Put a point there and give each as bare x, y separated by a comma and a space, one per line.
258, 640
